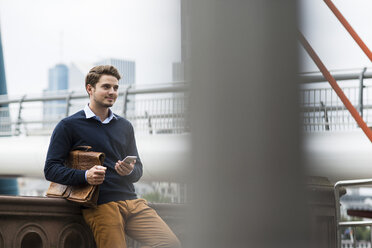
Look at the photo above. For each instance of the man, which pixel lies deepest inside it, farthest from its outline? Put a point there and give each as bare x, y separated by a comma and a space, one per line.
119, 212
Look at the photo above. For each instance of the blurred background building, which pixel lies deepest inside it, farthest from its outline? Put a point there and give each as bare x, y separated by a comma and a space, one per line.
57, 81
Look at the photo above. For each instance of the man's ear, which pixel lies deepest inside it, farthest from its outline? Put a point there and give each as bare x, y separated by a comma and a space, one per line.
89, 89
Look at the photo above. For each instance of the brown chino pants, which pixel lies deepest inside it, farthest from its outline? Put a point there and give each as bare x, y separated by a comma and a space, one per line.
111, 221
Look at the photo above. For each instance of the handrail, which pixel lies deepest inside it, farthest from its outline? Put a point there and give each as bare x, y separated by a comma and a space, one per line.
339, 223
353, 182
177, 87
305, 79
335, 86
165, 104
355, 223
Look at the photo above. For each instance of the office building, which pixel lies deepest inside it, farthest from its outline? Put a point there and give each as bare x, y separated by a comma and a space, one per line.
57, 81
5, 127
58, 78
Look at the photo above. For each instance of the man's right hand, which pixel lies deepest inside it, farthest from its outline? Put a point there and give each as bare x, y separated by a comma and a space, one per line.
96, 175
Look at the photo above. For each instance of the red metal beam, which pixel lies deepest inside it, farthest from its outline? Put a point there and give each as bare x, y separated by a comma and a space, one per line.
348, 27
335, 86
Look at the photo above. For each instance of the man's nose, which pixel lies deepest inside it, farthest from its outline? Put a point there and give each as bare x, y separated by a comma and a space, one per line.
112, 91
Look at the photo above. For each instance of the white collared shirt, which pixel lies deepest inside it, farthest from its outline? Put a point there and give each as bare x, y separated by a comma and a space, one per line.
89, 114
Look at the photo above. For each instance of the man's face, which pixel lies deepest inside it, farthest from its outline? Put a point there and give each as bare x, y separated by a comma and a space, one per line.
105, 92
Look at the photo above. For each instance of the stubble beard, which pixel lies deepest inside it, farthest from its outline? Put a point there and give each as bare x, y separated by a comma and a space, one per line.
102, 104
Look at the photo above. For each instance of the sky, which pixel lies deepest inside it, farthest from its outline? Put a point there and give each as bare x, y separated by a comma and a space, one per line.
38, 34
330, 39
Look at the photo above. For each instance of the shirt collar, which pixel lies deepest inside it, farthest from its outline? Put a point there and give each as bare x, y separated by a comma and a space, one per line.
89, 114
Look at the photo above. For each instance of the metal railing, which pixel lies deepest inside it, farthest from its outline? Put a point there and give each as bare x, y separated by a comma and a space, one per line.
322, 110
151, 109
353, 224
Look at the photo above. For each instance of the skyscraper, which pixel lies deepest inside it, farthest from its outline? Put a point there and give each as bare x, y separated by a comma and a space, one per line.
8, 186
5, 127
58, 78
57, 81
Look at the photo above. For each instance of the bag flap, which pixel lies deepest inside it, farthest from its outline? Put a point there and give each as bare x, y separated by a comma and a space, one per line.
81, 192
57, 190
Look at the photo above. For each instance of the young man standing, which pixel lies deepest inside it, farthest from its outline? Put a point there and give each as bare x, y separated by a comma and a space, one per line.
119, 212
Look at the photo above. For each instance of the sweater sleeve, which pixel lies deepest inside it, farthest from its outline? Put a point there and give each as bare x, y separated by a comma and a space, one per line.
59, 148
136, 174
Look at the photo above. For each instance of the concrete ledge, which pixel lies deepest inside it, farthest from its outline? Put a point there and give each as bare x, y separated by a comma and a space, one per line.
52, 222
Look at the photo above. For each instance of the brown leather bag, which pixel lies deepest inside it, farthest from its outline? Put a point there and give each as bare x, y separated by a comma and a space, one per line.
83, 159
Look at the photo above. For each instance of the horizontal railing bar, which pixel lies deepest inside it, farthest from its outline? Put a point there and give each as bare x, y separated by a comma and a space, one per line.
355, 223
321, 109
325, 123
152, 116
181, 87
333, 108
353, 182
339, 77
158, 118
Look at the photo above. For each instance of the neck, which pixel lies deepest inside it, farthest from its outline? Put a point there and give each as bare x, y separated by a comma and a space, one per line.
100, 111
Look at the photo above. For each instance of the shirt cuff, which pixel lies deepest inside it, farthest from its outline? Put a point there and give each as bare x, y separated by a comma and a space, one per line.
86, 176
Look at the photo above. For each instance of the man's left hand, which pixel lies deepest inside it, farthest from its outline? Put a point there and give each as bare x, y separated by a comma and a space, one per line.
124, 169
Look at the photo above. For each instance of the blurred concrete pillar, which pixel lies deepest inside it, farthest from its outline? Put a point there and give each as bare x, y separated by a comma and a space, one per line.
248, 183
3, 88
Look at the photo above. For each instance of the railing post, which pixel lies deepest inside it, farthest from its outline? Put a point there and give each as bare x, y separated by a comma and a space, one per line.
361, 87
352, 224
68, 99
125, 100
325, 115
149, 122
338, 215
19, 119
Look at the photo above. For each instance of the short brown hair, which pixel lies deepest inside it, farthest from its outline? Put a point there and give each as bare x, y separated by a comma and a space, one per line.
96, 72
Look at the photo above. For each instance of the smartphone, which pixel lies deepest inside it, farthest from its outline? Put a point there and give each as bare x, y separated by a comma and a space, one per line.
129, 159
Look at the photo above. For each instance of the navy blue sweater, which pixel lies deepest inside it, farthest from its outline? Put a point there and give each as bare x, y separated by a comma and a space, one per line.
115, 139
